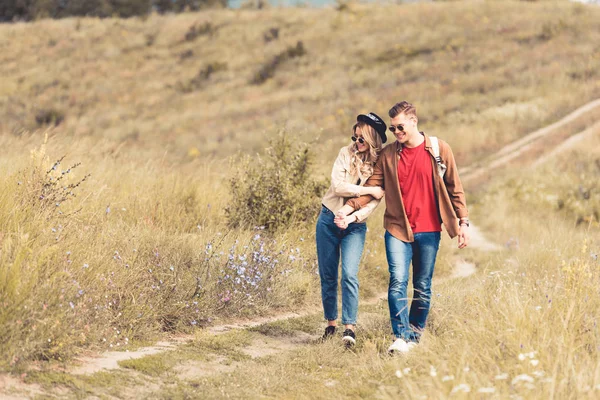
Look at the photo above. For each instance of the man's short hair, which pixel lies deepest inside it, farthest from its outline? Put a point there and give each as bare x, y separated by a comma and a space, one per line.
404, 107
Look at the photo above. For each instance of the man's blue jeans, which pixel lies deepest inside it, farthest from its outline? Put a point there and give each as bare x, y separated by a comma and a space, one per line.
422, 253
331, 242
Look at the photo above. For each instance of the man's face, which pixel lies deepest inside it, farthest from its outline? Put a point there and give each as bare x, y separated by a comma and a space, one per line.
403, 127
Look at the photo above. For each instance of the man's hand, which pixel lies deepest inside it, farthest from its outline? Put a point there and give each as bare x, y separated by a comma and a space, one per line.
377, 192
463, 236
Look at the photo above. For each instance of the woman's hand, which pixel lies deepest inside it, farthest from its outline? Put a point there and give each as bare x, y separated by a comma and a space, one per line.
342, 221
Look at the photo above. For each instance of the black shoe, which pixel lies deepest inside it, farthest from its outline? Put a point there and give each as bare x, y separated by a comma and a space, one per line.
329, 332
349, 337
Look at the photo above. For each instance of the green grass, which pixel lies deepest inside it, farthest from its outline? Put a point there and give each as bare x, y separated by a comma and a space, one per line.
291, 326
66, 385
153, 365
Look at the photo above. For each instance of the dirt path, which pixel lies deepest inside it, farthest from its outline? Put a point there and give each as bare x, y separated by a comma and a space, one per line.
570, 142
11, 387
526, 144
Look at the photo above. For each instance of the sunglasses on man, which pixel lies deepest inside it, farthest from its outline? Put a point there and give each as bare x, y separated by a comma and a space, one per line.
360, 140
393, 128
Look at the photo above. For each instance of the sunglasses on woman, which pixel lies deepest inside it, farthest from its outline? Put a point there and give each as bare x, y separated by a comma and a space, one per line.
360, 140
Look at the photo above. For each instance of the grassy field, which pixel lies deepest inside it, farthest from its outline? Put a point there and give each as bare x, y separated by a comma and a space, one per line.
127, 239
523, 326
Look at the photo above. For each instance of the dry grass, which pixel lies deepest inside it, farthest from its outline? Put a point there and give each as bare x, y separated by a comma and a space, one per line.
491, 71
524, 326
138, 251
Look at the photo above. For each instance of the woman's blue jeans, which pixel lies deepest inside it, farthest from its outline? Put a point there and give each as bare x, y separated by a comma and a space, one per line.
422, 252
331, 243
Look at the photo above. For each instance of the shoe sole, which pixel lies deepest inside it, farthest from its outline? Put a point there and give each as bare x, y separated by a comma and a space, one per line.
402, 351
392, 352
349, 340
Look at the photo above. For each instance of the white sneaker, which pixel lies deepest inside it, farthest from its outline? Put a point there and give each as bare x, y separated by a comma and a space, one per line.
399, 346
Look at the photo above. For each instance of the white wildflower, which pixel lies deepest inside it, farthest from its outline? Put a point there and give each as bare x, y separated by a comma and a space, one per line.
448, 378
399, 373
432, 371
522, 378
463, 387
486, 390
534, 362
501, 377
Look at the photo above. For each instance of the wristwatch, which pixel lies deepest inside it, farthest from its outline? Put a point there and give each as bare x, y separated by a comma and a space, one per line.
464, 222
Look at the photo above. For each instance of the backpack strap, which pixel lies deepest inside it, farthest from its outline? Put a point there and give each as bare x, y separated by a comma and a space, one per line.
436, 152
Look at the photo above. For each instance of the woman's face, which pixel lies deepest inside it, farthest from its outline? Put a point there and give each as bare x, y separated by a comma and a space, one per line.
364, 146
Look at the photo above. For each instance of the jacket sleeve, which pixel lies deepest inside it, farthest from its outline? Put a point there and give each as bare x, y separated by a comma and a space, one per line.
341, 167
452, 182
367, 210
375, 180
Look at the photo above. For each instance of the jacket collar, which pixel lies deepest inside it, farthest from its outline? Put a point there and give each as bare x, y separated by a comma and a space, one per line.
427, 144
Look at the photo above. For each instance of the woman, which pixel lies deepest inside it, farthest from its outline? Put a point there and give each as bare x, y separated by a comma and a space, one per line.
353, 166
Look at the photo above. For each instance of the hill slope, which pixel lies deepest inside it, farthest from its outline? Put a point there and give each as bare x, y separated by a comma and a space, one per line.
481, 74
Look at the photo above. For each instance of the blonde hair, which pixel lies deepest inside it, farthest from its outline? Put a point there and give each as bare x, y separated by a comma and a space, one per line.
364, 162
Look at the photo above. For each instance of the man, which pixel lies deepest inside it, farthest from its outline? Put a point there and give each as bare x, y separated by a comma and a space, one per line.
418, 200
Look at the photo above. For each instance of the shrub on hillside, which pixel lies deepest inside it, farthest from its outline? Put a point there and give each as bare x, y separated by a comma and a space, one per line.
203, 75
197, 30
276, 190
271, 34
49, 116
267, 71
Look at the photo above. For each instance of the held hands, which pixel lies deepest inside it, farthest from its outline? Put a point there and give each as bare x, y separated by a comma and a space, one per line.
342, 221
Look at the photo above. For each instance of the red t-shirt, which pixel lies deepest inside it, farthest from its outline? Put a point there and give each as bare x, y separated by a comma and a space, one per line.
415, 175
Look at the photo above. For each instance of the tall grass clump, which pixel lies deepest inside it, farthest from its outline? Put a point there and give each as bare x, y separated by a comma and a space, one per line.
81, 268
276, 190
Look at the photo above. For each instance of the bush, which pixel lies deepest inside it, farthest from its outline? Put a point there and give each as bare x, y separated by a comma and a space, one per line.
275, 191
197, 30
49, 117
267, 71
203, 75
271, 34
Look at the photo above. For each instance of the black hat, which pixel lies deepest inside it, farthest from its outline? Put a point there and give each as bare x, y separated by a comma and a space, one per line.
375, 122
